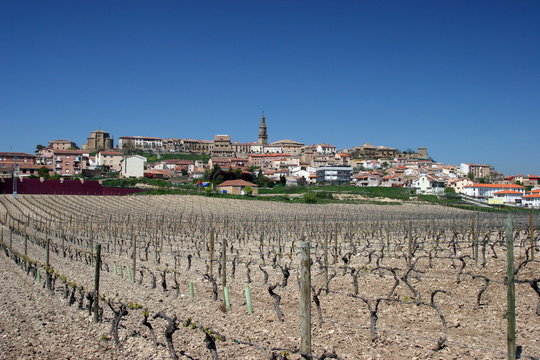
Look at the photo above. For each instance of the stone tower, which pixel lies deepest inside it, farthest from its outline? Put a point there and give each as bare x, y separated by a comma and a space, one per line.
263, 136
423, 152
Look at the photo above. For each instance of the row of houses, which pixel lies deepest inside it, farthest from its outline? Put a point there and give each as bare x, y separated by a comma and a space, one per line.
69, 163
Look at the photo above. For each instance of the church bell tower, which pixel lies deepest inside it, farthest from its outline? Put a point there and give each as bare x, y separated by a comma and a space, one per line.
263, 136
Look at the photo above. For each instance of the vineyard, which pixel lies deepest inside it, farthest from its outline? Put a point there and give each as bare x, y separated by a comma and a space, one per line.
191, 277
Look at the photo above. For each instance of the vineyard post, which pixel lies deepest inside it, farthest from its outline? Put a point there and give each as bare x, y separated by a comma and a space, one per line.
511, 291
96, 283
474, 238
410, 244
224, 262
531, 233
305, 298
326, 263
335, 249
91, 241
211, 248
47, 252
63, 239
134, 242
26, 245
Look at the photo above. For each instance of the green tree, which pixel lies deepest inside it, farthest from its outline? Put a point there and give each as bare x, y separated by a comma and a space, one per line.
39, 147
449, 190
43, 172
248, 190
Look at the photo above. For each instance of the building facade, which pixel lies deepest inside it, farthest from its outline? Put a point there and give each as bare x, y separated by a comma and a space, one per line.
334, 174
99, 140
62, 144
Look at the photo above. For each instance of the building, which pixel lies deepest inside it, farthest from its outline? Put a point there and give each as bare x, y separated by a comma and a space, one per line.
62, 144
289, 146
532, 200
144, 143
193, 146
368, 179
334, 174
476, 170
10, 159
69, 162
263, 135
98, 140
459, 185
509, 196
368, 151
222, 147
427, 184
266, 159
109, 159
488, 190
238, 187
132, 166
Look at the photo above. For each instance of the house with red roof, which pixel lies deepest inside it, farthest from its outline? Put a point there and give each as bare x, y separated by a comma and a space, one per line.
511, 197
238, 187
428, 184
488, 190
532, 200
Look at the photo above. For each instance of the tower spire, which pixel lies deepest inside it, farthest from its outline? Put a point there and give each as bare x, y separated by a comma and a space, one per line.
263, 136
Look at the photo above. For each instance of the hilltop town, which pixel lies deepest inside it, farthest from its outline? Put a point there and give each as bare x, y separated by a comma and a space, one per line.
262, 163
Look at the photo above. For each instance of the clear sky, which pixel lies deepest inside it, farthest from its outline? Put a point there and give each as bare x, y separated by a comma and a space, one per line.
459, 77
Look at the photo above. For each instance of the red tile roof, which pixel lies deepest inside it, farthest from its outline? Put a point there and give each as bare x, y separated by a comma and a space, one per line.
496, 186
532, 196
508, 192
269, 155
238, 182
15, 154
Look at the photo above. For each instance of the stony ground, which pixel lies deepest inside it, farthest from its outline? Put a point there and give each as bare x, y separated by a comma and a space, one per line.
36, 323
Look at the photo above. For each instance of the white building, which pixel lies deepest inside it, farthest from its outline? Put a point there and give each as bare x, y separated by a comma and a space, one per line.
334, 174
133, 166
488, 190
110, 159
427, 184
140, 143
532, 200
509, 196
459, 185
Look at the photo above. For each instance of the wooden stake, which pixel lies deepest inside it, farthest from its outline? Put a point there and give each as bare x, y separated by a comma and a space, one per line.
511, 291
134, 244
326, 263
531, 233
211, 248
47, 252
96, 283
305, 299
224, 262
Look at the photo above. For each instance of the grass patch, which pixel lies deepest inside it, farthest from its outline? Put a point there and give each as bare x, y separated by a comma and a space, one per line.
398, 193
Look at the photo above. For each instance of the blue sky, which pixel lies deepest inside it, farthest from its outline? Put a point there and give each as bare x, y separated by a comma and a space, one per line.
460, 77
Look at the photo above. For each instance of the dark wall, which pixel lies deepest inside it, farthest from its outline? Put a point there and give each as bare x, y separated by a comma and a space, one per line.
67, 187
